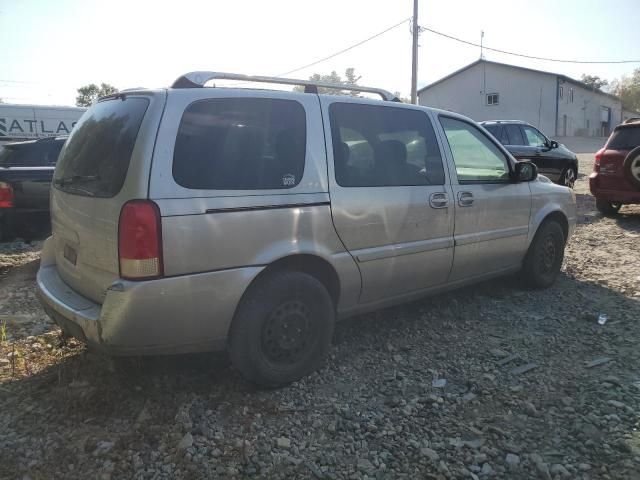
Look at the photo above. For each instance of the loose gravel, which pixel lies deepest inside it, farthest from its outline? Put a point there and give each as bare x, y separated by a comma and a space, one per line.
489, 382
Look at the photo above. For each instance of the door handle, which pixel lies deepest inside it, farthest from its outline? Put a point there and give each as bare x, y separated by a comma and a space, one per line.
439, 200
465, 199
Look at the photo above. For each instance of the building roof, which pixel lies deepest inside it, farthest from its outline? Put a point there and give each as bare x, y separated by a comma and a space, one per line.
488, 62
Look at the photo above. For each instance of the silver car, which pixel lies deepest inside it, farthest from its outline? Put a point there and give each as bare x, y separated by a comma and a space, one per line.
199, 218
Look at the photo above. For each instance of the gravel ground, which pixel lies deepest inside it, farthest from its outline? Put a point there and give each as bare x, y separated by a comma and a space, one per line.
492, 381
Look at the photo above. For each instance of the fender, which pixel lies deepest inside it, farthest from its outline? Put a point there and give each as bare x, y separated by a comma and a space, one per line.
539, 216
341, 261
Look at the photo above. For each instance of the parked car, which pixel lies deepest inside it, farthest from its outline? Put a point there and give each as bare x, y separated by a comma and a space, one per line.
26, 169
194, 219
615, 180
525, 142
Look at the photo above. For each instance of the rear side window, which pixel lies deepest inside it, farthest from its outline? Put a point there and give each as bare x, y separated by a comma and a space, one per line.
626, 138
36, 154
95, 159
514, 135
241, 144
375, 146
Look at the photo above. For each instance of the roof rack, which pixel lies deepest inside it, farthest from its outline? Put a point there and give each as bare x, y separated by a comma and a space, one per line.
632, 120
198, 80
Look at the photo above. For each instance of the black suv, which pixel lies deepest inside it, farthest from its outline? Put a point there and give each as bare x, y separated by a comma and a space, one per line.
26, 169
526, 142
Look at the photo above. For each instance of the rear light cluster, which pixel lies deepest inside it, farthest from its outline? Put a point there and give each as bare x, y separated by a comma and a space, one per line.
6, 195
140, 241
596, 165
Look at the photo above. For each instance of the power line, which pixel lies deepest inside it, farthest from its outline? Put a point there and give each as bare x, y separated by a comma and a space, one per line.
451, 37
344, 50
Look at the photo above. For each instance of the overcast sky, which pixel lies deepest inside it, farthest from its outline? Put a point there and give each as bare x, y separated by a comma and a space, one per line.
50, 48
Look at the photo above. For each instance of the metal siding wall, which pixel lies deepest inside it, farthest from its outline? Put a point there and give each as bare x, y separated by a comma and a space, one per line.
524, 95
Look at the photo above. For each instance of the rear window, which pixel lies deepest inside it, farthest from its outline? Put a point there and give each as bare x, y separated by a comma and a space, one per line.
626, 138
95, 159
241, 144
36, 154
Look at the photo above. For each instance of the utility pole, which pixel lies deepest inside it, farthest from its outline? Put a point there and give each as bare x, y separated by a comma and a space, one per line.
415, 30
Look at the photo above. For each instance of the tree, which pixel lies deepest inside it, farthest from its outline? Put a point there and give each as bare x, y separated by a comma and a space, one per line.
350, 80
88, 94
628, 89
594, 82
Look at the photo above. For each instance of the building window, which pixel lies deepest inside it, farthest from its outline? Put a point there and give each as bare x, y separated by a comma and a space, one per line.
571, 95
492, 99
561, 93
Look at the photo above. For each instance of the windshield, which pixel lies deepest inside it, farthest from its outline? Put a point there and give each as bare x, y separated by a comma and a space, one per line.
95, 159
35, 154
626, 138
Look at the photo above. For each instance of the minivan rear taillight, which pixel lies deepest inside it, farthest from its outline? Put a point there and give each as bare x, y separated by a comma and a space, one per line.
6, 195
140, 241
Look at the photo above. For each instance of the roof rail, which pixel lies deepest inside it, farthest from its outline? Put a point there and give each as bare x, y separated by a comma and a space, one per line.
632, 120
198, 80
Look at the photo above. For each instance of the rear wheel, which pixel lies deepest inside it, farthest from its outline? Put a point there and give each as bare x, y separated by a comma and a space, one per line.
632, 167
282, 330
544, 258
606, 207
568, 177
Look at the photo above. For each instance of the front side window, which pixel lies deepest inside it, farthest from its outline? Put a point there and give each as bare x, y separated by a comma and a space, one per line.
376, 146
477, 159
534, 137
240, 144
492, 99
515, 135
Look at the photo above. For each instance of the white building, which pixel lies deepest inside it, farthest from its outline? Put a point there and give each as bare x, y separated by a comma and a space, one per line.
556, 104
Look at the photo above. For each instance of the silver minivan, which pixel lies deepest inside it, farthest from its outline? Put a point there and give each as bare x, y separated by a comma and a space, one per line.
201, 218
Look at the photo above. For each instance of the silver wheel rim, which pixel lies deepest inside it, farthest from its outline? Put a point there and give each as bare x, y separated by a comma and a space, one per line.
569, 178
635, 168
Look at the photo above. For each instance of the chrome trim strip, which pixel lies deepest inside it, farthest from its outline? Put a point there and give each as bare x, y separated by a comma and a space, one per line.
398, 249
490, 235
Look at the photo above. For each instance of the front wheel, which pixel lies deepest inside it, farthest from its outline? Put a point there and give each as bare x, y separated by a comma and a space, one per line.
544, 258
282, 330
606, 207
568, 177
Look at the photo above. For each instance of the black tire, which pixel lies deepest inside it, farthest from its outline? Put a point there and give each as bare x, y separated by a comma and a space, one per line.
631, 167
282, 329
606, 207
569, 177
544, 258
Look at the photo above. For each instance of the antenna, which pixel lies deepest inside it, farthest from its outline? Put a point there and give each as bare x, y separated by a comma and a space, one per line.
481, 46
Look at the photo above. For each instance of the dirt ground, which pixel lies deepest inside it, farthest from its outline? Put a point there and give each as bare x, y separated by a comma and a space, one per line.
492, 381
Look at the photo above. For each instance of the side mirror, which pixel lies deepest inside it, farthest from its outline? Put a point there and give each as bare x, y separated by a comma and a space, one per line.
553, 144
525, 172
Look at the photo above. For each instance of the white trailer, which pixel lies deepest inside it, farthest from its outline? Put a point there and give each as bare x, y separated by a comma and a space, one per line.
24, 122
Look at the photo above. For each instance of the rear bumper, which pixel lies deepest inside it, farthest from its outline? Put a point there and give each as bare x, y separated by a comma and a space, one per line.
170, 315
617, 195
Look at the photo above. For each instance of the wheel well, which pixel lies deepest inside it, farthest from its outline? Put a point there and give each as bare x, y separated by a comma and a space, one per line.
310, 264
561, 219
